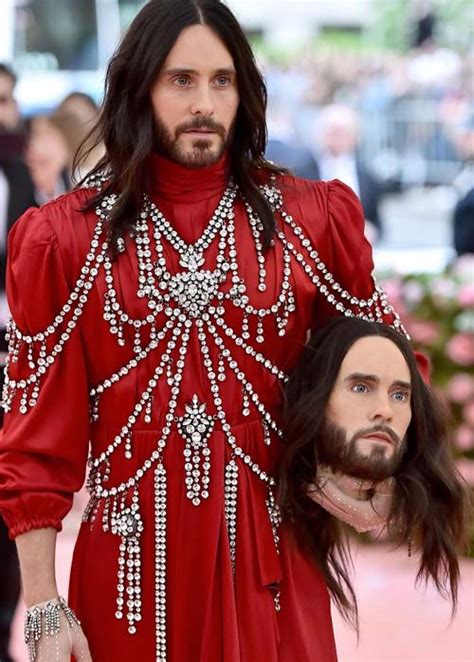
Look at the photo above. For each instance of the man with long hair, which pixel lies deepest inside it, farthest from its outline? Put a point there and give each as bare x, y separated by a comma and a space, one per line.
156, 312
367, 444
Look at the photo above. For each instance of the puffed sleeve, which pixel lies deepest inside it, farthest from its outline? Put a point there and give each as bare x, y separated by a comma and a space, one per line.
44, 445
349, 261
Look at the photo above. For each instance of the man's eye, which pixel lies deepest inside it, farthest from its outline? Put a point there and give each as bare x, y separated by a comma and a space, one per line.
181, 81
401, 396
360, 388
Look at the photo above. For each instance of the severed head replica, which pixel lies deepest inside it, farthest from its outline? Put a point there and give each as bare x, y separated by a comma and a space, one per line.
367, 444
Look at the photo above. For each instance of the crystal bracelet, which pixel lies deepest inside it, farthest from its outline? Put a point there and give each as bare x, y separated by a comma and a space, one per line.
49, 611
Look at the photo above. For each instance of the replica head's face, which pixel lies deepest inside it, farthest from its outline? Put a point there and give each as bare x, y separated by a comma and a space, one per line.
368, 412
195, 99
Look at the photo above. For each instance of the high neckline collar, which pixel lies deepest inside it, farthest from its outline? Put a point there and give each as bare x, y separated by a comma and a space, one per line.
176, 183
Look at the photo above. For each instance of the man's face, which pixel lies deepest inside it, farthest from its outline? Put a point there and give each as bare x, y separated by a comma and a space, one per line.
195, 99
9, 116
340, 138
368, 412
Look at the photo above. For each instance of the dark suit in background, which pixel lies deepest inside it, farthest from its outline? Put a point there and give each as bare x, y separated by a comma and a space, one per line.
463, 224
302, 163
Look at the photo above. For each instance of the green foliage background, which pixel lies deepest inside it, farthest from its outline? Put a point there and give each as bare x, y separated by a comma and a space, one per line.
393, 24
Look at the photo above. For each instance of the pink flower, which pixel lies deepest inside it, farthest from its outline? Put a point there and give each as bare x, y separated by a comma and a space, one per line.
460, 349
468, 413
443, 290
413, 292
423, 332
460, 387
466, 469
464, 438
464, 267
466, 296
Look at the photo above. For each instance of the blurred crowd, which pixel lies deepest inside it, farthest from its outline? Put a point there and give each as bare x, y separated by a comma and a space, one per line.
382, 123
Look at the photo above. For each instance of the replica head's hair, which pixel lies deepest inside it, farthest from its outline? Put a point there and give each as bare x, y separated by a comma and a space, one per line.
430, 500
127, 124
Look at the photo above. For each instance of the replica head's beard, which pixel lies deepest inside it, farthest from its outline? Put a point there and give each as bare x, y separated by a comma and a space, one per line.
202, 153
341, 454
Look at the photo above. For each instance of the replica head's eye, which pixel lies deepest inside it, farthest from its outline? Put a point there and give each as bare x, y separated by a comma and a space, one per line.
223, 81
401, 396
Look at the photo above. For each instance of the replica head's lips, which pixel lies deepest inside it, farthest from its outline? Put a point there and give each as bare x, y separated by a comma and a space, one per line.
379, 436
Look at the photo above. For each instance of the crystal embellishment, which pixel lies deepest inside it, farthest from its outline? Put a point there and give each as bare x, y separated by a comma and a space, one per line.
196, 427
194, 289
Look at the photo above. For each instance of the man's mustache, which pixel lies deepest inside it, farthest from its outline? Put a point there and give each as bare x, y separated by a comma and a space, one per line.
366, 432
201, 123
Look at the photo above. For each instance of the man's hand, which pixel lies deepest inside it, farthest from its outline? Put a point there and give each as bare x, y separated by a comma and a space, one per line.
364, 505
70, 640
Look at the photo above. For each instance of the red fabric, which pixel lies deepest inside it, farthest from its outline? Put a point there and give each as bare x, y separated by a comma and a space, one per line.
43, 454
424, 367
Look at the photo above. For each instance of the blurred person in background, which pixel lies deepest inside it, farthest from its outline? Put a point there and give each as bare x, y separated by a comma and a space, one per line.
16, 195
48, 157
463, 215
424, 22
334, 150
9, 113
78, 114
176, 288
82, 106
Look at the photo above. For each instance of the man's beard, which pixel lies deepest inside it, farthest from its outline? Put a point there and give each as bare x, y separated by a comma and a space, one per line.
201, 153
341, 454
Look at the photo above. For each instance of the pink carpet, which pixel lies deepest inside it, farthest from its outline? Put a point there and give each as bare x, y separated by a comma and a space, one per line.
398, 622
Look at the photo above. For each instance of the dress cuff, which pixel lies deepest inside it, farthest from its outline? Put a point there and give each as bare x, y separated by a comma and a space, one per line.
17, 528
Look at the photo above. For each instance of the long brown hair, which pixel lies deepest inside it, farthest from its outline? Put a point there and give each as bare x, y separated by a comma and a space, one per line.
127, 126
430, 505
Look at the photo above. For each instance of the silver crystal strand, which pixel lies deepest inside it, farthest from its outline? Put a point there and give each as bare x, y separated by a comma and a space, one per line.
126, 522
148, 410
245, 327
105, 515
169, 373
221, 375
137, 340
274, 515
260, 338
128, 446
160, 563
267, 440
31, 363
195, 426
245, 403
230, 507
257, 229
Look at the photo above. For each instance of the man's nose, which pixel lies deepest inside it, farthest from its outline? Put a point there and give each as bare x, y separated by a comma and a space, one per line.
382, 408
202, 102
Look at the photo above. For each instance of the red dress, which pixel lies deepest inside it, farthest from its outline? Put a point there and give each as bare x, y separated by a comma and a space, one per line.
208, 573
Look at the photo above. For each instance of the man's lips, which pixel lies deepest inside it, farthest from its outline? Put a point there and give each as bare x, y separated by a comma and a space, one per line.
379, 436
205, 131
